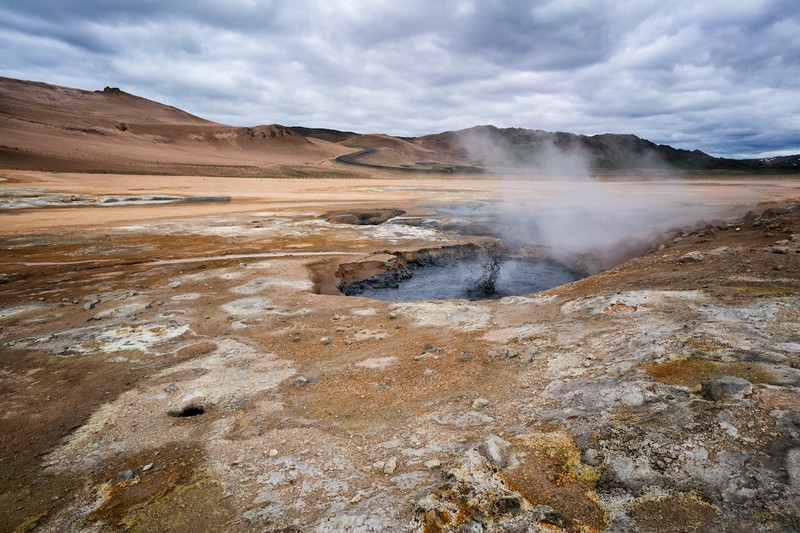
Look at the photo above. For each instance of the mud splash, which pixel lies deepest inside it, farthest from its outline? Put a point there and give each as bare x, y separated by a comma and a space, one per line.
463, 280
465, 272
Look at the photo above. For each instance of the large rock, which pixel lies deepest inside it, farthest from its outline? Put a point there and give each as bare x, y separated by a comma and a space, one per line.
726, 388
362, 217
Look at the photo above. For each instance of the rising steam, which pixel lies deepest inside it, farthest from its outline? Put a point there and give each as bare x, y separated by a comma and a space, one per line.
553, 199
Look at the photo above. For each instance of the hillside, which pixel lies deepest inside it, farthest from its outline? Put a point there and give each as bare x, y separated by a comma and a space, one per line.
46, 127
492, 147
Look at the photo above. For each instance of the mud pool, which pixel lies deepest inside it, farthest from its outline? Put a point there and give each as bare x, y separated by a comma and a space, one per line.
461, 280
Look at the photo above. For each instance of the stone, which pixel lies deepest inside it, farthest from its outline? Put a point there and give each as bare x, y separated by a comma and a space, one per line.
725, 388
301, 381
592, 457
628, 472
392, 315
548, 515
326, 340
480, 403
473, 526
780, 250
126, 475
390, 465
691, 257
433, 464
273, 453
88, 306
494, 448
793, 468
147, 467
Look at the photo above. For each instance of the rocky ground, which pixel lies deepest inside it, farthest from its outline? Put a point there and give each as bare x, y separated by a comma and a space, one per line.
154, 380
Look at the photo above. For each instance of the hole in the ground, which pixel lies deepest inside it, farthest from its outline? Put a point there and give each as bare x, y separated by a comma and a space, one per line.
188, 411
485, 276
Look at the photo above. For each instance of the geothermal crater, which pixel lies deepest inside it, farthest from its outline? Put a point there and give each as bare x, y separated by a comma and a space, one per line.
484, 275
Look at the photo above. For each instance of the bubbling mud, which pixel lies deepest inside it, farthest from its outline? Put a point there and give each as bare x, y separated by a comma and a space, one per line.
476, 278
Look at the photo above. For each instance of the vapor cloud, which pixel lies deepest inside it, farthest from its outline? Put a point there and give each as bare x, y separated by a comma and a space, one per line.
713, 75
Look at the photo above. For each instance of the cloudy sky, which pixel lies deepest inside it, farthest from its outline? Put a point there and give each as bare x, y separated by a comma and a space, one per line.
716, 75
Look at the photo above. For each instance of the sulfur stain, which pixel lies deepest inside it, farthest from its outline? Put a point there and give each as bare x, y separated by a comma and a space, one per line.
679, 513
551, 473
199, 507
435, 521
751, 290
691, 371
559, 447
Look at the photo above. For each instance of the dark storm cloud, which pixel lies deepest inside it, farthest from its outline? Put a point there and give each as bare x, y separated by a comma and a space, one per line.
714, 75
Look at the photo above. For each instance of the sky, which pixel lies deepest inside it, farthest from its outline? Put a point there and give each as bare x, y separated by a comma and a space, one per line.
720, 76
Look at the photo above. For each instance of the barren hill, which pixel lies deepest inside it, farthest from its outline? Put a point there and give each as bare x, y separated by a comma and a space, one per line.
47, 127
57, 128
494, 147
385, 150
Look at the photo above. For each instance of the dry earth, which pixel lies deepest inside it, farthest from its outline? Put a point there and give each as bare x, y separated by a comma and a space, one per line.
190, 367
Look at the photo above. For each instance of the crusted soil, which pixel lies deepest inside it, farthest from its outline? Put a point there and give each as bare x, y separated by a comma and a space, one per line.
167, 370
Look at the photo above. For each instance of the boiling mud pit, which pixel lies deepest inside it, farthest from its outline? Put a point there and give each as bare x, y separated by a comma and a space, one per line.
475, 279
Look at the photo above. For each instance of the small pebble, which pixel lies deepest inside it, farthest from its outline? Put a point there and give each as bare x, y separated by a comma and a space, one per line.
126, 475
480, 403
390, 466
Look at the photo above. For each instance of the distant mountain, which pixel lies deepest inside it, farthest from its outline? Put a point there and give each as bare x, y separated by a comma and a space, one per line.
324, 134
47, 127
782, 162
489, 146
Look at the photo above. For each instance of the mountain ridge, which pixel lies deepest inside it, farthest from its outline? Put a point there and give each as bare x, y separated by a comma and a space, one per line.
49, 127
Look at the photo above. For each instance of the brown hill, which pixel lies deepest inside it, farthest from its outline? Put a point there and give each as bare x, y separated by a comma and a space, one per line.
509, 148
384, 151
47, 127
391, 151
